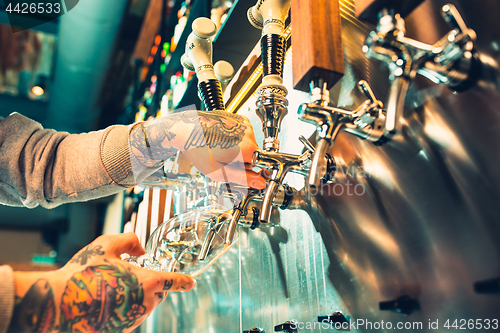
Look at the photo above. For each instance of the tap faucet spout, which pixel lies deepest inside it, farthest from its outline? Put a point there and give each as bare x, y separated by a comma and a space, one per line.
279, 164
329, 121
452, 60
238, 212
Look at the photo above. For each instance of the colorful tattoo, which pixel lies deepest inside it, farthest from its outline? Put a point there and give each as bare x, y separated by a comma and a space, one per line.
84, 255
105, 298
35, 312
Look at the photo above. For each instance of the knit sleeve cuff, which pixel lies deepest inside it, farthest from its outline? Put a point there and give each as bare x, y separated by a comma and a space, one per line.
115, 155
6, 297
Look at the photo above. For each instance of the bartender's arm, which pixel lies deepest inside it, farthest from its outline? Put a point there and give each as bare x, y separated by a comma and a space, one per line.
43, 167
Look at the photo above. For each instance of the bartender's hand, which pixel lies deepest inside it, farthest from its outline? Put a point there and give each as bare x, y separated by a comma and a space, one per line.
94, 292
218, 143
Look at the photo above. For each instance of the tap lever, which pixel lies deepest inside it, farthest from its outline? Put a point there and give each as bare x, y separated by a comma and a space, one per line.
269, 15
368, 112
307, 144
364, 87
198, 58
452, 16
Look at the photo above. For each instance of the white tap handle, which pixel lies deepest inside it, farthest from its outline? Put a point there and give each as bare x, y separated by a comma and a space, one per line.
224, 71
204, 27
198, 54
186, 63
269, 15
255, 18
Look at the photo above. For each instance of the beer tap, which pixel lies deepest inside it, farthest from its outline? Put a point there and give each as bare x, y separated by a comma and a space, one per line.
248, 214
328, 122
271, 101
452, 61
224, 71
269, 15
366, 122
198, 58
316, 68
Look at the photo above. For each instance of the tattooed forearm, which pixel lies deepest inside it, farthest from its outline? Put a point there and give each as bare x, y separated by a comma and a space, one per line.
215, 128
35, 312
151, 141
146, 142
103, 298
84, 255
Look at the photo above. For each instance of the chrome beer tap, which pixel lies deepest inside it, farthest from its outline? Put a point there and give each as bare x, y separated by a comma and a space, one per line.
279, 164
269, 15
327, 123
238, 211
451, 61
366, 122
248, 212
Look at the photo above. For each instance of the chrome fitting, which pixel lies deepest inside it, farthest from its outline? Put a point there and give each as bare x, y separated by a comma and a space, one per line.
271, 109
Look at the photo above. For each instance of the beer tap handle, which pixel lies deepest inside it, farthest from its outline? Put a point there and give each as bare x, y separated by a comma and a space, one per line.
367, 91
453, 18
224, 71
307, 144
198, 58
317, 33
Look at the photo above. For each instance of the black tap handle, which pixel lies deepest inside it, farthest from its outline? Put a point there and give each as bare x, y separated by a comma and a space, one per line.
491, 287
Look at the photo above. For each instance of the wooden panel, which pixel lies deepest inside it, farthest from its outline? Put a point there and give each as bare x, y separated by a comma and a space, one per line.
148, 32
316, 42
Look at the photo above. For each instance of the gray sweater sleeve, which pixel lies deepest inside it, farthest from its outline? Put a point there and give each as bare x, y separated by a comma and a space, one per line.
43, 167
